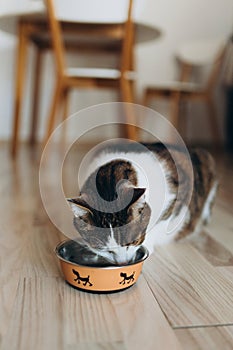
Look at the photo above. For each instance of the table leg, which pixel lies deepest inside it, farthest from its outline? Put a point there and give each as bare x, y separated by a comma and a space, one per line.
20, 76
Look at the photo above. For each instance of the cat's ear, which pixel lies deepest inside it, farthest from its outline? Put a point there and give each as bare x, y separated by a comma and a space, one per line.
138, 201
79, 206
138, 195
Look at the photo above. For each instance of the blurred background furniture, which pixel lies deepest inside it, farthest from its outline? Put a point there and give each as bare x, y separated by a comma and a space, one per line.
120, 34
105, 34
193, 55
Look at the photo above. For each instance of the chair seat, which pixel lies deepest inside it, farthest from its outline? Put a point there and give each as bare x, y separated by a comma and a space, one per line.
176, 86
99, 73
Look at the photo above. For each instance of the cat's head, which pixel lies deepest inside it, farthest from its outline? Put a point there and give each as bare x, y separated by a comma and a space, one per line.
113, 235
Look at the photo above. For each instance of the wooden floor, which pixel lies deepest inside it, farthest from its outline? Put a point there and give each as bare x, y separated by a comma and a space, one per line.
183, 299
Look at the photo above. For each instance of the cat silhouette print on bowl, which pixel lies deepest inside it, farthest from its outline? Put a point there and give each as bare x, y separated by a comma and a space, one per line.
86, 271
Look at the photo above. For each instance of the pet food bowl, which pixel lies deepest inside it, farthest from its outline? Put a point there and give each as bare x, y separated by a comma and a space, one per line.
84, 271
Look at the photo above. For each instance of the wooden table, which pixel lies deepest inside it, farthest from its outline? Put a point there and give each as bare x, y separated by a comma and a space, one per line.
182, 300
33, 28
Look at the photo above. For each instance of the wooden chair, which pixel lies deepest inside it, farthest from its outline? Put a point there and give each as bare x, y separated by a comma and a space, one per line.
197, 54
118, 30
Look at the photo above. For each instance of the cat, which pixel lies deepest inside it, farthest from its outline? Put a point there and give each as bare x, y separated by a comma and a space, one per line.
114, 210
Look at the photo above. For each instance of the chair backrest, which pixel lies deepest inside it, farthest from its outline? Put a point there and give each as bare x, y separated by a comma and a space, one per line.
203, 53
91, 11
95, 11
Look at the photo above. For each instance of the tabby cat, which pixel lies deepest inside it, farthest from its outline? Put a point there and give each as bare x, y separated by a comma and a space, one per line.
113, 213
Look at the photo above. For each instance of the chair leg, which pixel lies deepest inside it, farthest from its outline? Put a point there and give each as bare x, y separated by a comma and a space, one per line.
213, 121
55, 103
126, 91
36, 97
65, 106
65, 102
129, 131
20, 77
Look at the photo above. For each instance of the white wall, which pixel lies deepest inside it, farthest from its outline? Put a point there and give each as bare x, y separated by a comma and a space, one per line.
179, 20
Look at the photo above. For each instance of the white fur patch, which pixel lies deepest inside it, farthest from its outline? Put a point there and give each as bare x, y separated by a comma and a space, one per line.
165, 231
118, 253
115, 253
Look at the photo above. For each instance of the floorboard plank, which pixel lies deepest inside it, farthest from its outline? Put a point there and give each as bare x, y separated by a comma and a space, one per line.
189, 290
221, 228
131, 318
211, 338
181, 303
39, 258
211, 250
49, 314
36, 317
213, 288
